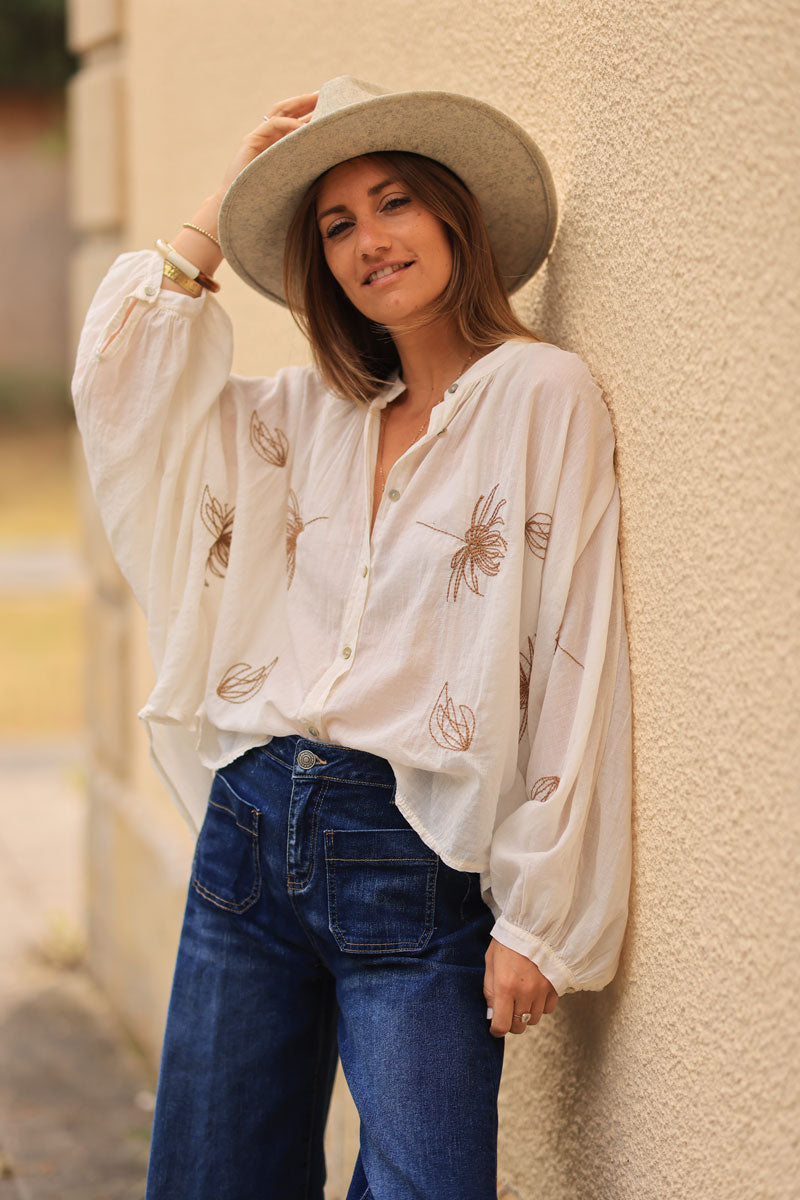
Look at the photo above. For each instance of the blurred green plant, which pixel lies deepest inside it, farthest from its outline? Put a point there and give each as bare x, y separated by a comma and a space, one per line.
33, 52
31, 396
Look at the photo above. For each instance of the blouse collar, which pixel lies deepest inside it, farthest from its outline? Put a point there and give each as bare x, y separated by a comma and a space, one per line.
479, 370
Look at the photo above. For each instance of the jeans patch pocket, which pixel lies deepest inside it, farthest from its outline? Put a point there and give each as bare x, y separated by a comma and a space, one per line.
226, 868
381, 890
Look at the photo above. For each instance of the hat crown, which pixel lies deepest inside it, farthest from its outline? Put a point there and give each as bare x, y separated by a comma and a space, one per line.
342, 92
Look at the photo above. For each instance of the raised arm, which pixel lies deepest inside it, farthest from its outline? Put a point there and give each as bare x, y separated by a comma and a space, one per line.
159, 414
202, 250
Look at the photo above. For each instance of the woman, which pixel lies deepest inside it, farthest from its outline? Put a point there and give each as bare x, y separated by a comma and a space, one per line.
384, 605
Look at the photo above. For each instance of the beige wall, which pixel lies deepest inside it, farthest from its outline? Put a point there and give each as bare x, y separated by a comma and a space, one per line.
670, 133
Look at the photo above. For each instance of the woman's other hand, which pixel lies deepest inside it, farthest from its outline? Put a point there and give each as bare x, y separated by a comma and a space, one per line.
514, 985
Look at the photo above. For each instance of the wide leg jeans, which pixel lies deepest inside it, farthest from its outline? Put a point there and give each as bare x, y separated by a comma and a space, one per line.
319, 921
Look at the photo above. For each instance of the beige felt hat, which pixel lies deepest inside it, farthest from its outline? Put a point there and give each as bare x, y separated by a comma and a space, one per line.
496, 159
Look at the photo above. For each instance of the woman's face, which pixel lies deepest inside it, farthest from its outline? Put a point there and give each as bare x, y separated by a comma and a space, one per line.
388, 253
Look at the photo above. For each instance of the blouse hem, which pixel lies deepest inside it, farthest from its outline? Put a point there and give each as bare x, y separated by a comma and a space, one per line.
433, 843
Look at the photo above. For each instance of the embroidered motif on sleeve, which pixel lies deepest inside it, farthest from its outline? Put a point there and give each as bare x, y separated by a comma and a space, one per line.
241, 682
544, 787
218, 520
484, 546
270, 444
525, 668
537, 533
294, 527
451, 730
561, 648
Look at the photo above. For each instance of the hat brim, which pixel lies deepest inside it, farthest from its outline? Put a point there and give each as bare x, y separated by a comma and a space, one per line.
500, 164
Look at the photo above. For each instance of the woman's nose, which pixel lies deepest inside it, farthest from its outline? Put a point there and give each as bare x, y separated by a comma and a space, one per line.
372, 238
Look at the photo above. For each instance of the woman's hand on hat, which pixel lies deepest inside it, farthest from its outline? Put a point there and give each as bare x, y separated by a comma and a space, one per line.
284, 117
203, 249
514, 988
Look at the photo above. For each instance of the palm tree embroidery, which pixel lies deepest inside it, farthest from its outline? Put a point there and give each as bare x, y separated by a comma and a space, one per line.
449, 729
484, 547
544, 787
525, 668
271, 445
294, 527
537, 533
241, 682
218, 520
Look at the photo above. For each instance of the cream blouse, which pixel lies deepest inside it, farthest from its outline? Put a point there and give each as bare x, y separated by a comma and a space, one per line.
476, 639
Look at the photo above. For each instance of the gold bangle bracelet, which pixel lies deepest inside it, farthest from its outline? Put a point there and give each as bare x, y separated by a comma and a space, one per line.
189, 285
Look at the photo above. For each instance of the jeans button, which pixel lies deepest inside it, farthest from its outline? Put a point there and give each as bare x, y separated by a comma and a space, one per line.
306, 759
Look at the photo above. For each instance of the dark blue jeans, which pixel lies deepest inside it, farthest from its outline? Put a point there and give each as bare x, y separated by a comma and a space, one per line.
318, 919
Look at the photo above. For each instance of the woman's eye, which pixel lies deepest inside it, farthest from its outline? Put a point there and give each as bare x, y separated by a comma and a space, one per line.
397, 202
337, 227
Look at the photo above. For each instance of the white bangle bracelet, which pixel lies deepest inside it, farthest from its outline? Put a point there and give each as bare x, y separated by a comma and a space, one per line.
171, 255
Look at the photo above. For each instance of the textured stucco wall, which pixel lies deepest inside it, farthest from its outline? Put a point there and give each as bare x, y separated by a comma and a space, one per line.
671, 130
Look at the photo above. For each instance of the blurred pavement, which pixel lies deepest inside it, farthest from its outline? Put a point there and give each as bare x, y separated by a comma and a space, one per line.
75, 1097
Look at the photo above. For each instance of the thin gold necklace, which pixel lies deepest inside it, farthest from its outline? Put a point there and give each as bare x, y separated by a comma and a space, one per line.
422, 428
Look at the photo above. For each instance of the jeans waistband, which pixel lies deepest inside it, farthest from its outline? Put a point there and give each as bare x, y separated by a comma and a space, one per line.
304, 757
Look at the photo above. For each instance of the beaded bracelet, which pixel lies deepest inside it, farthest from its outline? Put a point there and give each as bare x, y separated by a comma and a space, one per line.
205, 233
171, 255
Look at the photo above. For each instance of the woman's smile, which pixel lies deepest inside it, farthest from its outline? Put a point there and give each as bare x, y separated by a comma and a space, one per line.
384, 274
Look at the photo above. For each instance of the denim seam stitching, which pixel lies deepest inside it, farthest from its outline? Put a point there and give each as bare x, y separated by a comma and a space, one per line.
231, 813
274, 758
346, 944
294, 884
431, 859
314, 1094
340, 779
242, 905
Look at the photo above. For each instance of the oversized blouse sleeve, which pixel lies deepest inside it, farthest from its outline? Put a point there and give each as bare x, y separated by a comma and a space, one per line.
560, 863
161, 419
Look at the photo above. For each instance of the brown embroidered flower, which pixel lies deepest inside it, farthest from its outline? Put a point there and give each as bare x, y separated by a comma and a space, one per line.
218, 519
537, 533
241, 682
451, 730
271, 445
483, 548
294, 527
525, 668
560, 647
543, 788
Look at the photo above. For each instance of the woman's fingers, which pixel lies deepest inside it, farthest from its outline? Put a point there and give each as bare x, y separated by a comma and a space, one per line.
551, 1001
514, 988
296, 106
283, 118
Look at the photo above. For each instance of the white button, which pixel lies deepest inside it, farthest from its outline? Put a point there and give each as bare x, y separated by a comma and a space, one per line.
394, 494
346, 652
453, 387
149, 291
364, 572
312, 729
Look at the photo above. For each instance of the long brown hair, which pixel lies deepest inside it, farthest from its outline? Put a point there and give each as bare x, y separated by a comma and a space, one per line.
354, 355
